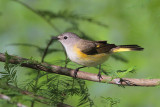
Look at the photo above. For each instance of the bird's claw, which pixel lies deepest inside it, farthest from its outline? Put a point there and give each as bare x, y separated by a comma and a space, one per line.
99, 77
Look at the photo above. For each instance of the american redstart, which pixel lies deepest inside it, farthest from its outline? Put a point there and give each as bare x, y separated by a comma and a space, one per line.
90, 53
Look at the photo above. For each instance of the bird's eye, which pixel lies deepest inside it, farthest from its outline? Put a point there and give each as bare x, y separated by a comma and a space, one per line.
65, 37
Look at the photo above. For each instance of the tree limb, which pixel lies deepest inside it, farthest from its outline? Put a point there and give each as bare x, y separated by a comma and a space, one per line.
7, 98
81, 75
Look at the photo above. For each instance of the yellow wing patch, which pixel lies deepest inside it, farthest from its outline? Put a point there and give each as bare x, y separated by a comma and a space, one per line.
79, 53
98, 46
89, 60
89, 57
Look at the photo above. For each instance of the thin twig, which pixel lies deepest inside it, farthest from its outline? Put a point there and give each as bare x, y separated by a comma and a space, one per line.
36, 12
81, 75
46, 49
37, 98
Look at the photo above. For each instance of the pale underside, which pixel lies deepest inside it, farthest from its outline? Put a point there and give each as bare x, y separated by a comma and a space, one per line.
78, 57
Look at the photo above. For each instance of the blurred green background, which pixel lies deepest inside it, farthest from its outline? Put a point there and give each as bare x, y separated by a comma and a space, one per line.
129, 22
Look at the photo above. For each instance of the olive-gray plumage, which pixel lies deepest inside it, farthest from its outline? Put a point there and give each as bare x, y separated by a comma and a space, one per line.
95, 52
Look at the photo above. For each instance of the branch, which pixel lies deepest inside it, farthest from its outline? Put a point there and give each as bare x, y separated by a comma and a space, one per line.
81, 75
7, 98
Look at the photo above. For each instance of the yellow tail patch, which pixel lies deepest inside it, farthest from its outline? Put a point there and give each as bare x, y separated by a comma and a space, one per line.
121, 49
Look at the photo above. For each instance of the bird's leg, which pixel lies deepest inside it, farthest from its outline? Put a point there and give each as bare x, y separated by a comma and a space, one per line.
99, 74
76, 71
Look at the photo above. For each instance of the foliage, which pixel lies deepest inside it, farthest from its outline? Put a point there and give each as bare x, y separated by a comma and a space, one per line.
110, 101
123, 73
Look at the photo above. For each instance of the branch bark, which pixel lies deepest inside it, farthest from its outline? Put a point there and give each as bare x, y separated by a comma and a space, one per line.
7, 98
81, 75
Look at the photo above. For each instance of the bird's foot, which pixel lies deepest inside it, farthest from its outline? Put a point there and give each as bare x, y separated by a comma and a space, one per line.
99, 77
127, 82
75, 72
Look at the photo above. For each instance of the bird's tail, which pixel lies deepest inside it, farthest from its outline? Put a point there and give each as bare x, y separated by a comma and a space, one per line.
122, 48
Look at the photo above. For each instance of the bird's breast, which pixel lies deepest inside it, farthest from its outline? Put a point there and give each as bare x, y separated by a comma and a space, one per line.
81, 58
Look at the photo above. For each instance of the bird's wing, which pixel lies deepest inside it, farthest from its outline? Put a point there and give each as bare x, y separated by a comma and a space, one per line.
95, 47
104, 47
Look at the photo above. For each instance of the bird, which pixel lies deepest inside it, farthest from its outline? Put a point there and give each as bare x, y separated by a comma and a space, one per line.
89, 53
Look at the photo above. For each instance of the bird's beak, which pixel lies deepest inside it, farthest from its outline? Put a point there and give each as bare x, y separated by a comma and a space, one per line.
55, 38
